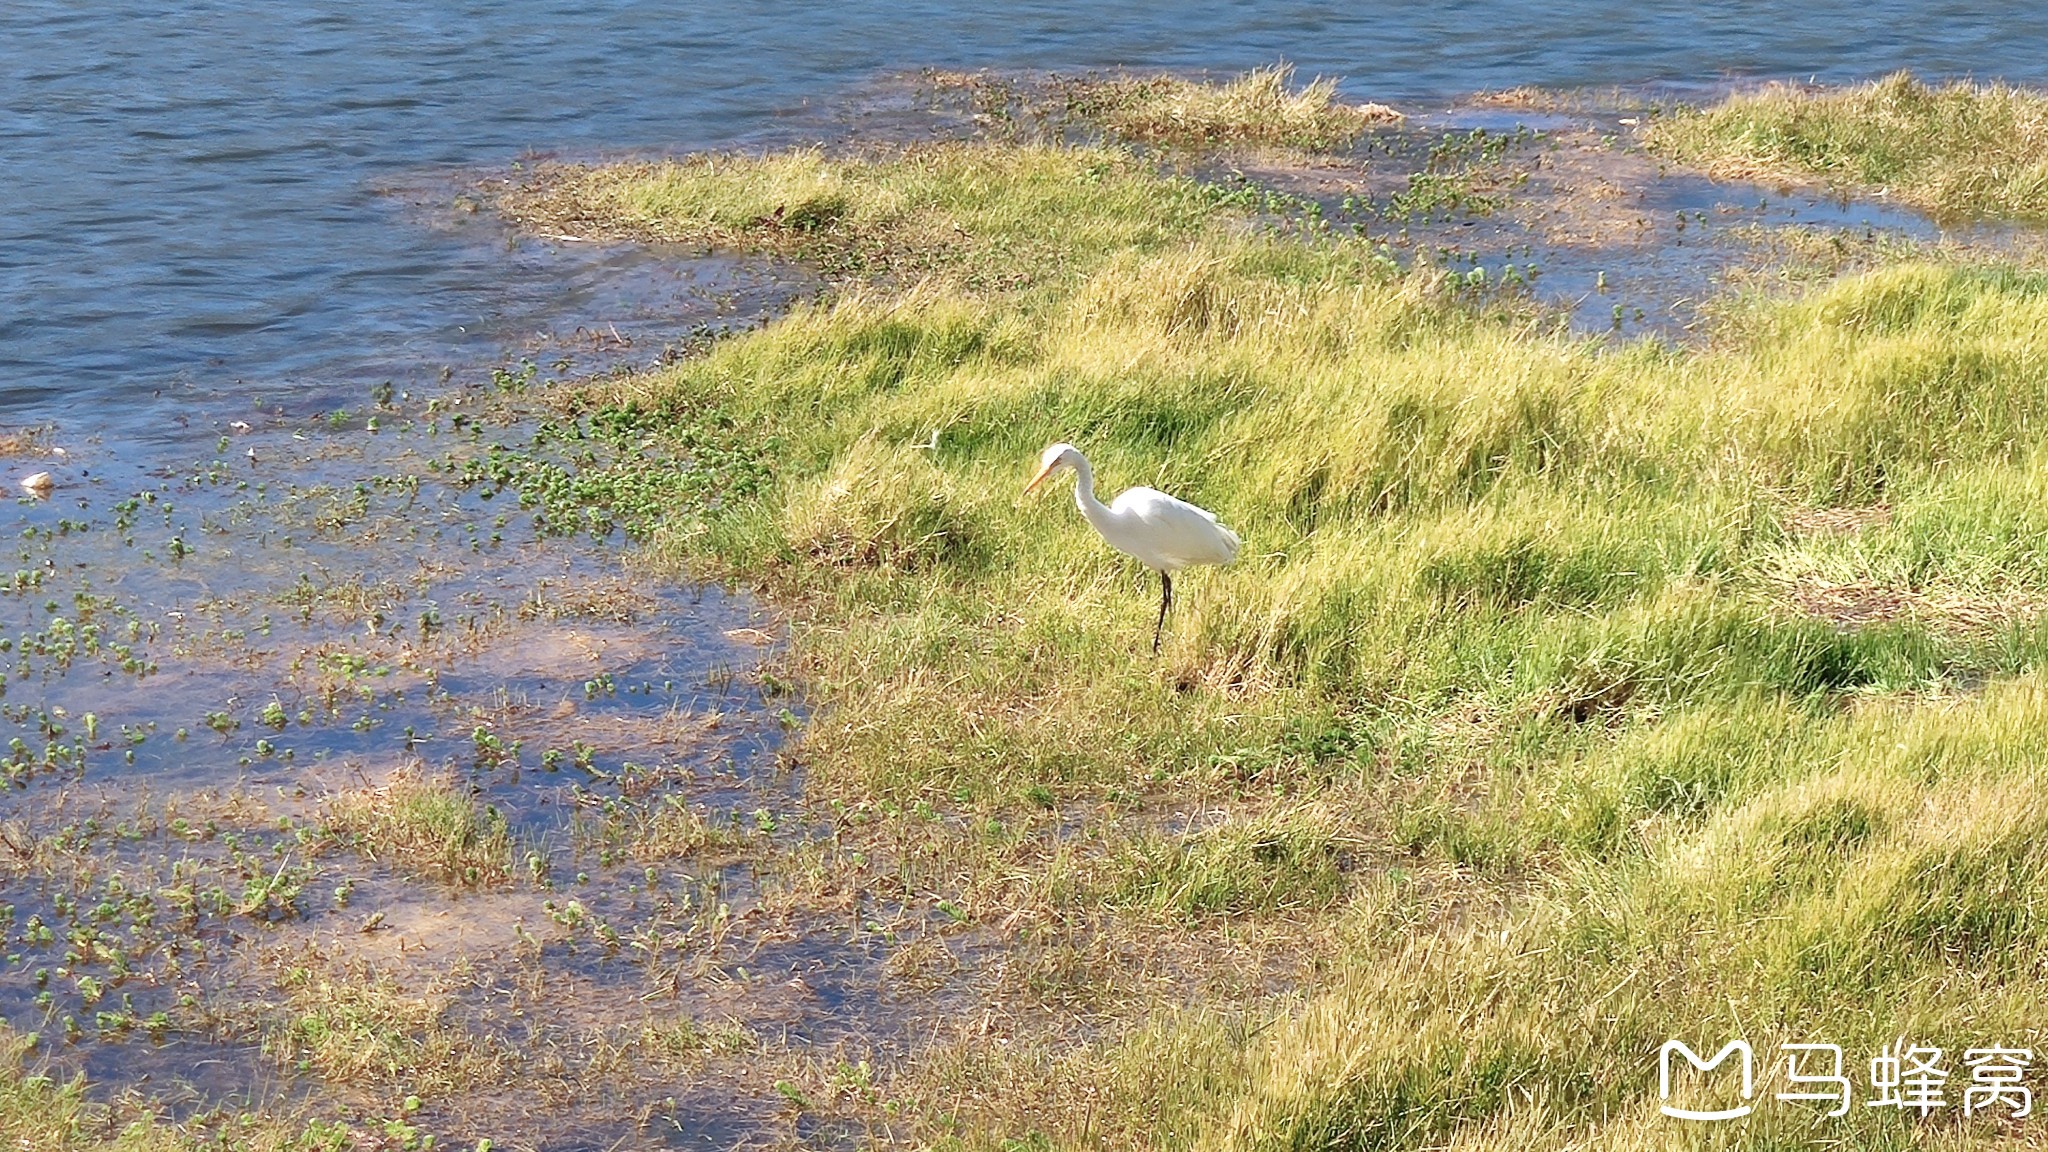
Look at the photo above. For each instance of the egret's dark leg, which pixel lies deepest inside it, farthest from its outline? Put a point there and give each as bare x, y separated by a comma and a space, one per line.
1165, 602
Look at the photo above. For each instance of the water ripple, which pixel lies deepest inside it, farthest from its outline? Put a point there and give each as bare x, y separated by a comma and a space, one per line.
187, 184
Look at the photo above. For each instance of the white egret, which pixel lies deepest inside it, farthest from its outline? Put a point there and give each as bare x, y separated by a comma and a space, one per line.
1159, 531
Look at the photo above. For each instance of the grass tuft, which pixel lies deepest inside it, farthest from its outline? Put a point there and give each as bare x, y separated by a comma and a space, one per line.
1278, 862
1957, 149
1260, 107
37, 1111
993, 218
886, 508
364, 1027
18, 443
425, 827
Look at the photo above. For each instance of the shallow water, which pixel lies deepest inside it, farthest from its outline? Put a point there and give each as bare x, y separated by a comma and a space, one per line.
1615, 240
203, 660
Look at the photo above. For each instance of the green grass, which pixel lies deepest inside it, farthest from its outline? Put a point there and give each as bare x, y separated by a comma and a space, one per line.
360, 1027
1286, 860
44, 1112
1261, 107
933, 208
1510, 720
424, 827
1957, 149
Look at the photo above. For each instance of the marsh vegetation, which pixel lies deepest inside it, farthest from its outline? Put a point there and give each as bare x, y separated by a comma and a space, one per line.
1539, 688
1571, 694
1958, 148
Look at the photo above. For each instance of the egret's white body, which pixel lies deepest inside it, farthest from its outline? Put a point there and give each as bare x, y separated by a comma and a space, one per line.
1161, 532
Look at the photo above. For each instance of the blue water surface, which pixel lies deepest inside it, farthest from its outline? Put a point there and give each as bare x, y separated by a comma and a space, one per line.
227, 196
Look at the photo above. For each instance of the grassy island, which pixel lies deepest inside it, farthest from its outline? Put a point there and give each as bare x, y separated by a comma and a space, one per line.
1957, 149
1569, 697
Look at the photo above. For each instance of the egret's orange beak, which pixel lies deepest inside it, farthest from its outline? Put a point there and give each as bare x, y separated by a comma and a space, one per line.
1040, 478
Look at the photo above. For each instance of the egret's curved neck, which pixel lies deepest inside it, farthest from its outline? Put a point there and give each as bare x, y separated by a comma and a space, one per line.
1094, 510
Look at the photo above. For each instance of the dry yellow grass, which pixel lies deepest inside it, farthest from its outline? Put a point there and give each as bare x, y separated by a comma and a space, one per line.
21, 442
1260, 107
1962, 148
1450, 513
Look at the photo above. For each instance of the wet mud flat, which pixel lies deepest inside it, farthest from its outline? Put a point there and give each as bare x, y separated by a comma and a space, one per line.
360, 773
1565, 210
349, 781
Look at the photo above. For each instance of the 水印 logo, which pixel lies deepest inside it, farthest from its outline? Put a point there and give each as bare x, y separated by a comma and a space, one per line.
1678, 1048
1909, 1077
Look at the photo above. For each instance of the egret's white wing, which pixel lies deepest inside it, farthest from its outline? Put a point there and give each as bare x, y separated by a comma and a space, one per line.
1167, 533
